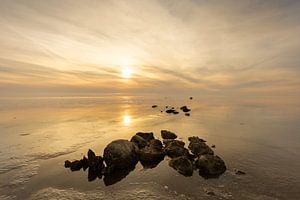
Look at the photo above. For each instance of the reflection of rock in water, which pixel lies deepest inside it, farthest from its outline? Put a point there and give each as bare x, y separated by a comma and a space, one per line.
121, 157
118, 175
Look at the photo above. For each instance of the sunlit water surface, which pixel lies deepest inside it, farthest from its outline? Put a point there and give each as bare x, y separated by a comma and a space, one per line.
39, 134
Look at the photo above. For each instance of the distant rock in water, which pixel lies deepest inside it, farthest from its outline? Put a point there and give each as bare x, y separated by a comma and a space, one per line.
120, 154
185, 109
168, 134
187, 114
191, 98
154, 106
183, 165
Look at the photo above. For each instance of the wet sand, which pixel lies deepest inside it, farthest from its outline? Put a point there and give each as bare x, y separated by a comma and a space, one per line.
39, 134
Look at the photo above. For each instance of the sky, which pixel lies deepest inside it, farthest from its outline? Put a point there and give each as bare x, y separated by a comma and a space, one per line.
74, 47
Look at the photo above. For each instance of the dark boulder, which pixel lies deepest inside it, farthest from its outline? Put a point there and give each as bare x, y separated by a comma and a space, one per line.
168, 134
210, 166
95, 163
175, 149
146, 136
154, 106
183, 165
187, 114
120, 154
139, 141
199, 147
152, 155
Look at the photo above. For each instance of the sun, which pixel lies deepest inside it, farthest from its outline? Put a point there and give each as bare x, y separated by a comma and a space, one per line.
126, 71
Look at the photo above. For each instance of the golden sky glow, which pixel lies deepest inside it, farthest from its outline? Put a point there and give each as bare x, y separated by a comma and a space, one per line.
67, 47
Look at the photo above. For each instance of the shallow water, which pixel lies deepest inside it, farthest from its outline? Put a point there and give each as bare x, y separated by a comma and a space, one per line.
38, 134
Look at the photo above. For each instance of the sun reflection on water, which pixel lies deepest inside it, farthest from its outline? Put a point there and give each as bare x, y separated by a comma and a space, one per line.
127, 120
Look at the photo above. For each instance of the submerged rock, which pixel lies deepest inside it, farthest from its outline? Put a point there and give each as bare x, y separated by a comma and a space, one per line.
199, 147
120, 154
210, 166
146, 136
175, 148
183, 165
239, 172
139, 141
168, 134
152, 155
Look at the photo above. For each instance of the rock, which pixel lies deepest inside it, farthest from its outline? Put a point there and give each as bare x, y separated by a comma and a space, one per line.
85, 163
199, 147
76, 165
168, 134
238, 172
120, 154
187, 114
175, 149
210, 166
92, 175
175, 112
170, 111
152, 155
154, 106
191, 98
213, 146
139, 141
185, 109
146, 136
95, 162
183, 165
67, 164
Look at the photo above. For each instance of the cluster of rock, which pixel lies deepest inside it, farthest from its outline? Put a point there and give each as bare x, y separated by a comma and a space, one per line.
172, 110
121, 156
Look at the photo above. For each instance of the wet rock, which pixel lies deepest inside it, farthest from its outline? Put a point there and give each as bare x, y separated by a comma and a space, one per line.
139, 141
210, 166
95, 163
168, 134
185, 109
183, 165
120, 154
238, 172
187, 114
154, 106
213, 146
93, 175
199, 147
85, 163
75, 165
152, 155
191, 98
175, 149
175, 112
146, 136
67, 164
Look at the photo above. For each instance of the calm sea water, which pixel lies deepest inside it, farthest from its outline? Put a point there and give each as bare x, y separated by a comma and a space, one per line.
39, 134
